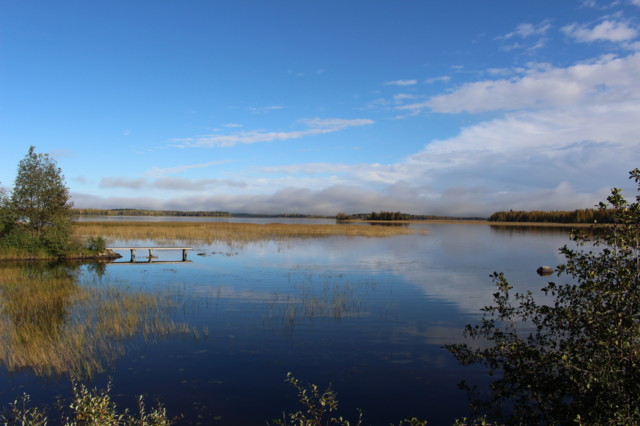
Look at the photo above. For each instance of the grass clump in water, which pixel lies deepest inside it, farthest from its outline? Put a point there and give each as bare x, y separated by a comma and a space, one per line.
52, 324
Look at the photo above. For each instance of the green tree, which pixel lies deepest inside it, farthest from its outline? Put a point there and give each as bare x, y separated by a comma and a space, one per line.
575, 357
38, 211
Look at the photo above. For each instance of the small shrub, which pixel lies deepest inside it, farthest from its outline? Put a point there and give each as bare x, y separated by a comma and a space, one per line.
89, 407
96, 244
19, 413
318, 407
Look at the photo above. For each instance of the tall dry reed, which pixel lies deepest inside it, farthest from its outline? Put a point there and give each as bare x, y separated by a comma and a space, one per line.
51, 324
229, 232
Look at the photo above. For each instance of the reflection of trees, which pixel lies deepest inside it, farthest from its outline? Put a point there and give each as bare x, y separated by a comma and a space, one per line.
532, 229
53, 324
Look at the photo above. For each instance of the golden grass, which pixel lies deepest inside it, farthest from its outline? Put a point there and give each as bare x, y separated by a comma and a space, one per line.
228, 231
52, 325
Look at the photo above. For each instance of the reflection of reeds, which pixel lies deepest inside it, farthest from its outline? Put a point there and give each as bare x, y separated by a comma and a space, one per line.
227, 231
52, 325
328, 299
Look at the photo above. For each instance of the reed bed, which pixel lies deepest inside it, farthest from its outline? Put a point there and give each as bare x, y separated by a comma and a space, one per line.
51, 324
229, 231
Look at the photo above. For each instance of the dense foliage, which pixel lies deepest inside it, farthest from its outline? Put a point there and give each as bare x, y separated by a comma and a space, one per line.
577, 357
88, 407
395, 216
575, 216
36, 216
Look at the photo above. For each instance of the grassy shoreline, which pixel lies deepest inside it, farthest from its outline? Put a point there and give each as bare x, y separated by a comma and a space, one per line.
230, 232
242, 233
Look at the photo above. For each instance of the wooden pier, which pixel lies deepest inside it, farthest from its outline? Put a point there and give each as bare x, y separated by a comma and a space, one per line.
133, 250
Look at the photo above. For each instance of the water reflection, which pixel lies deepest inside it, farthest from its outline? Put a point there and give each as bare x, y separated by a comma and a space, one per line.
51, 323
514, 229
368, 315
323, 295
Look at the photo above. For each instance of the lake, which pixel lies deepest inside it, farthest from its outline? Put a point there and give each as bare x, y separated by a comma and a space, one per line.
367, 315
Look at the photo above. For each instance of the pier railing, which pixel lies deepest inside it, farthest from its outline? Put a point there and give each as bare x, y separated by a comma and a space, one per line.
133, 250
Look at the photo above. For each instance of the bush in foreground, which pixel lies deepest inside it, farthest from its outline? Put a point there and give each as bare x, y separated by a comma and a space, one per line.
575, 359
88, 407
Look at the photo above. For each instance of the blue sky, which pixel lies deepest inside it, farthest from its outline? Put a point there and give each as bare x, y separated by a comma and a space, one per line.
457, 107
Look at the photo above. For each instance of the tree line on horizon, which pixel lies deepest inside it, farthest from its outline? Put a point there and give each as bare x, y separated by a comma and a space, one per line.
392, 216
143, 212
559, 216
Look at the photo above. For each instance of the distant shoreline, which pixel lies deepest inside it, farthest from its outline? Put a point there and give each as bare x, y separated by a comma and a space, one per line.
476, 222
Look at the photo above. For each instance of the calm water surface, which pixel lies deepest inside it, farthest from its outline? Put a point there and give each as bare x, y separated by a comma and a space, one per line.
367, 315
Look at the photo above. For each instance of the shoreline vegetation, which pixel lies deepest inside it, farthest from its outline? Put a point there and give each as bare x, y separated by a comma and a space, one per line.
229, 232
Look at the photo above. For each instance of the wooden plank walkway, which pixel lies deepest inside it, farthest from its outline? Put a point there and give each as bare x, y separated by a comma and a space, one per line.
151, 249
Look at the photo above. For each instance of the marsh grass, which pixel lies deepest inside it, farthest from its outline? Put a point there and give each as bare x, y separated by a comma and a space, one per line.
323, 296
229, 232
51, 324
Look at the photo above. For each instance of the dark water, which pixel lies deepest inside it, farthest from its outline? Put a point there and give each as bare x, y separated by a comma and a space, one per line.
367, 315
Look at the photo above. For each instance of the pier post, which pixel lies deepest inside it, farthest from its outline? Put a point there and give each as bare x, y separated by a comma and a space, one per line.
133, 255
184, 255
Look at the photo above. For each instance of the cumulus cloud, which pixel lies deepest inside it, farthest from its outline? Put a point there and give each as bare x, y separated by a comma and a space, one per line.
557, 138
543, 86
315, 126
614, 31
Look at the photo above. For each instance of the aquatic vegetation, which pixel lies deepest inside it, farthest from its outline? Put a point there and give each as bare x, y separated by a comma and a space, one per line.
230, 232
328, 297
52, 324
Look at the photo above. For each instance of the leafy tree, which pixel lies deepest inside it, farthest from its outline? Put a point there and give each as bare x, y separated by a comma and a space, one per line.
38, 212
577, 357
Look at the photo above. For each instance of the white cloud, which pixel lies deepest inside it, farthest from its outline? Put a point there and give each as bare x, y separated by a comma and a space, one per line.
265, 109
400, 97
401, 83
530, 36
316, 126
526, 30
606, 5
607, 79
168, 183
615, 31
441, 79
559, 138
156, 171
114, 182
